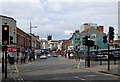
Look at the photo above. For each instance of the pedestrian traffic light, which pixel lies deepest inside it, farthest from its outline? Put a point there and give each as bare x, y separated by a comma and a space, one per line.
5, 34
105, 39
111, 34
11, 40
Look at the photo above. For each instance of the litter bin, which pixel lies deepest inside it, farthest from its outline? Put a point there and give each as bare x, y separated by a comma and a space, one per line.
11, 60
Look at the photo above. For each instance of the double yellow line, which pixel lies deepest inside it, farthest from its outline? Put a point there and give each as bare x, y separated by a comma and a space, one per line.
108, 74
78, 66
20, 78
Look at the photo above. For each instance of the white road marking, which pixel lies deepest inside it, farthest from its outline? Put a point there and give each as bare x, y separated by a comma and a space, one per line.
90, 75
80, 78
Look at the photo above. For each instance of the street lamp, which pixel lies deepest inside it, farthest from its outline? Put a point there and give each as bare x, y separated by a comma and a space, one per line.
30, 37
31, 32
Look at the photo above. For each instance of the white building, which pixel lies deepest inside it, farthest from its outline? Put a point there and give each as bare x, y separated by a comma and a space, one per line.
44, 44
53, 44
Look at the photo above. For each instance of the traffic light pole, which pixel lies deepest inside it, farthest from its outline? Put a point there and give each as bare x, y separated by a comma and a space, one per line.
4, 49
6, 62
88, 56
3, 62
108, 57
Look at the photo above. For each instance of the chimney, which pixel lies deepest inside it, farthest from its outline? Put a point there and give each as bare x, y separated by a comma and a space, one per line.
77, 31
100, 28
37, 37
86, 30
86, 24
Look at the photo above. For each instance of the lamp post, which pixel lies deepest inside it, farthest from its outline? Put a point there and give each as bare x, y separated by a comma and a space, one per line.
30, 37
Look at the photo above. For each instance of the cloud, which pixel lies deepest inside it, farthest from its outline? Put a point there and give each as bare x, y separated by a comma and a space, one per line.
68, 32
60, 18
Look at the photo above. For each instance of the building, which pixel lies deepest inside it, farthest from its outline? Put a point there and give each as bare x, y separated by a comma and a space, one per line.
5, 20
21, 40
96, 34
44, 44
87, 25
53, 44
76, 39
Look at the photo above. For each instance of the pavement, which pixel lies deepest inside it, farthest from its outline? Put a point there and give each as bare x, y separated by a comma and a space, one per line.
61, 68
96, 67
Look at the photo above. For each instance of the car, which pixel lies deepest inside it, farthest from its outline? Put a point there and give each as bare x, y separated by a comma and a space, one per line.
71, 56
43, 57
55, 55
48, 55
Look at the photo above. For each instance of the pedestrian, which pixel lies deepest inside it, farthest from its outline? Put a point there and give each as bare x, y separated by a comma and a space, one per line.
79, 54
8, 58
24, 58
71, 55
28, 56
21, 58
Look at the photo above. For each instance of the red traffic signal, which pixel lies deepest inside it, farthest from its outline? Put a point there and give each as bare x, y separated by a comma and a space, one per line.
5, 34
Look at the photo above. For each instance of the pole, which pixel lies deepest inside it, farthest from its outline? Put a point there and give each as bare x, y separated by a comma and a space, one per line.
88, 56
5, 61
4, 49
100, 58
108, 58
30, 41
30, 35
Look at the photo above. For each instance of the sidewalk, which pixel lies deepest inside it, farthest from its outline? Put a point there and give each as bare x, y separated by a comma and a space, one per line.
96, 67
12, 74
103, 69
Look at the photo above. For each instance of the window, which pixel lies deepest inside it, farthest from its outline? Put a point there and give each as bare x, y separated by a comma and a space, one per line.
118, 36
93, 35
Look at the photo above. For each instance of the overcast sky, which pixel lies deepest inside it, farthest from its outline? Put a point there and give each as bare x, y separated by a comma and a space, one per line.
60, 17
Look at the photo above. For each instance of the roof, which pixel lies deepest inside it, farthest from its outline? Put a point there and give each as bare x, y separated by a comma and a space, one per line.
8, 17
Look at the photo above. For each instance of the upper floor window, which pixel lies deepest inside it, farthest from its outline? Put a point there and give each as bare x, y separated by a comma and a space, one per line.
93, 35
118, 36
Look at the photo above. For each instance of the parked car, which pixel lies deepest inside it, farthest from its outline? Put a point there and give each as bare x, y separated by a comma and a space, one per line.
48, 55
43, 57
71, 56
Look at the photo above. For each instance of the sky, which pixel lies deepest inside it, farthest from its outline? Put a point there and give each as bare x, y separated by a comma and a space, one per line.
60, 18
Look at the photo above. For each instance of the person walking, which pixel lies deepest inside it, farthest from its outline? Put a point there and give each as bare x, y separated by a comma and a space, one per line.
79, 54
24, 58
21, 58
28, 56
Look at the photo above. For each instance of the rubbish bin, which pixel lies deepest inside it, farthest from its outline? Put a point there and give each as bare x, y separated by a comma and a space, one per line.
11, 60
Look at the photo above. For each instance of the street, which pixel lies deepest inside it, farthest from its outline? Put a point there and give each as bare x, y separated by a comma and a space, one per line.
57, 68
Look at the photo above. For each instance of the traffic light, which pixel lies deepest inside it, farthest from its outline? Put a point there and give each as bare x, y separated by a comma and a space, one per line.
11, 40
111, 34
90, 43
85, 40
5, 34
105, 39
96, 47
